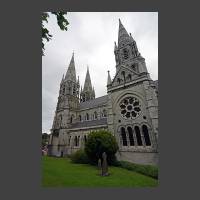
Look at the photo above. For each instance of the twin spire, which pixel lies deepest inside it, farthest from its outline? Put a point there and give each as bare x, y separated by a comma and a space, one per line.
88, 92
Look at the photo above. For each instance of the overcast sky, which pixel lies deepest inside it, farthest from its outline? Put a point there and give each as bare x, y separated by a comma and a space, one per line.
91, 36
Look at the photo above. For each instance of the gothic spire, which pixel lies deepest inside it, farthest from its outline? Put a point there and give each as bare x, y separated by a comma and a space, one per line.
123, 35
71, 72
109, 79
88, 92
87, 84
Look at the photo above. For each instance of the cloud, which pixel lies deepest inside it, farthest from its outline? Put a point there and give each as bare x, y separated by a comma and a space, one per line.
91, 36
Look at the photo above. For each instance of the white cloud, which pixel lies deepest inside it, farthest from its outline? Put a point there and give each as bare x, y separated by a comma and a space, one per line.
91, 36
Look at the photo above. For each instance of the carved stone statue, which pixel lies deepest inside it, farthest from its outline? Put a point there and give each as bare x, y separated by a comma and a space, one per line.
104, 165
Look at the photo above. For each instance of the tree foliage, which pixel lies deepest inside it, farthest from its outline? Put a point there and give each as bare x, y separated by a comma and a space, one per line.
45, 139
61, 21
99, 142
80, 157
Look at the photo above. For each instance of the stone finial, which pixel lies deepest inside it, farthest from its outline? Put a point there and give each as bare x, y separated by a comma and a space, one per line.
109, 79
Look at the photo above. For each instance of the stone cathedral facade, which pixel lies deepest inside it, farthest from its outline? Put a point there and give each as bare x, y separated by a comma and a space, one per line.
129, 110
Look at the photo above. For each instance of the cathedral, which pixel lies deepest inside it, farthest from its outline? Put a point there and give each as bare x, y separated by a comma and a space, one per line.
129, 110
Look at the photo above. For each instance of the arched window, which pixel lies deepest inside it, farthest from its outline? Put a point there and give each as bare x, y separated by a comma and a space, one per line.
138, 136
130, 133
123, 135
118, 80
125, 51
146, 135
123, 73
129, 77
76, 141
71, 118
95, 115
104, 114
80, 118
69, 140
87, 116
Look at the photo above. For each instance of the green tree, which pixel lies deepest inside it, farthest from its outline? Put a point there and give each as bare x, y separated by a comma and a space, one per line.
99, 142
45, 139
61, 21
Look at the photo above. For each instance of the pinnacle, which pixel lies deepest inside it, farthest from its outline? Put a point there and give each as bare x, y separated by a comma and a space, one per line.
109, 78
71, 72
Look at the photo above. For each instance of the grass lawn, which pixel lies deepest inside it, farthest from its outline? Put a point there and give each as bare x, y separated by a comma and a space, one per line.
60, 172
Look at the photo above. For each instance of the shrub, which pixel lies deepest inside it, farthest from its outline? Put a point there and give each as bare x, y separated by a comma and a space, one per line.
99, 142
79, 157
148, 170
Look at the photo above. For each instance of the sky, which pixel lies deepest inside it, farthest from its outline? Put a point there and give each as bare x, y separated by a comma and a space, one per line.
91, 36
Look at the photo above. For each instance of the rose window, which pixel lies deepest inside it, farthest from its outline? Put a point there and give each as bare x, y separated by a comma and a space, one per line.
130, 107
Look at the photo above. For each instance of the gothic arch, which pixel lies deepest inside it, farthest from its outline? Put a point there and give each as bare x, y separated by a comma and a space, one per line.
129, 77
123, 136
118, 80
72, 118
130, 134
138, 135
95, 114
76, 141
104, 113
146, 135
87, 117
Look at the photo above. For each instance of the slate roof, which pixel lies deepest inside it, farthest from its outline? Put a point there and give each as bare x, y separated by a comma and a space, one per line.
94, 102
84, 124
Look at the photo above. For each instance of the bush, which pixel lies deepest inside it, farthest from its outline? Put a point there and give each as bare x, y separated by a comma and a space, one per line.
99, 142
79, 157
148, 170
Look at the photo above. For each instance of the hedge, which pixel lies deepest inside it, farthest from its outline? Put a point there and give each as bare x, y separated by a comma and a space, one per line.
148, 170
